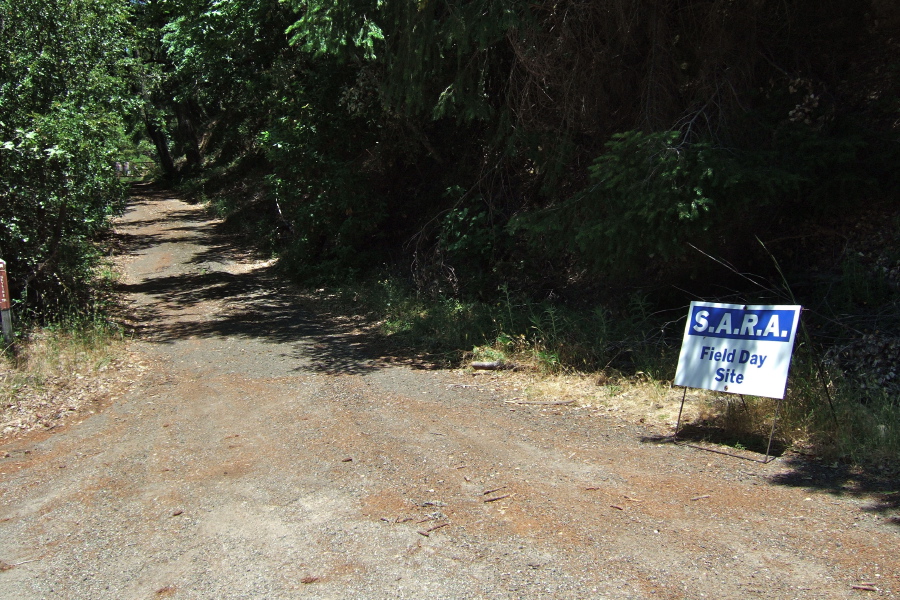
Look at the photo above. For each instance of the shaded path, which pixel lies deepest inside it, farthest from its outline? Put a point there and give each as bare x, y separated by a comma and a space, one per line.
189, 281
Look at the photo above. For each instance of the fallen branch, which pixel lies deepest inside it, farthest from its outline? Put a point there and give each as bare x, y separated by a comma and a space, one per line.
538, 403
700, 497
496, 365
396, 520
427, 532
865, 588
4, 566
498, 498
488, 492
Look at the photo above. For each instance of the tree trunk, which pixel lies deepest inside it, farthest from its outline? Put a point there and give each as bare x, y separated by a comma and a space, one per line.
162, 148
188, 133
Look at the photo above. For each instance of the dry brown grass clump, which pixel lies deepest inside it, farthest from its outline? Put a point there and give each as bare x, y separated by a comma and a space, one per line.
56, 373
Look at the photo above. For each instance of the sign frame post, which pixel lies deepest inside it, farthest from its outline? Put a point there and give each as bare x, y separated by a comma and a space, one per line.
5, 305
726, 348
765, 461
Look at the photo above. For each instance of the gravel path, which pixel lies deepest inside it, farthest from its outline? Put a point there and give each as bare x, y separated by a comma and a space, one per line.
271, 452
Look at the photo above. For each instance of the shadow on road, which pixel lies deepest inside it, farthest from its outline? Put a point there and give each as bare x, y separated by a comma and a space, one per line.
208, 301
879, 488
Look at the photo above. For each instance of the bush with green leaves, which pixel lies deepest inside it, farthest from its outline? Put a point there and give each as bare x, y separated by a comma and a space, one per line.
650, 196
63, 91
330, 219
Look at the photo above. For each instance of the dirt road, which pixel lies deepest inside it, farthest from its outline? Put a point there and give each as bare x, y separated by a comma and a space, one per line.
269, 452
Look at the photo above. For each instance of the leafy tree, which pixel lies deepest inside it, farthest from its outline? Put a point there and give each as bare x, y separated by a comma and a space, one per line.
211, 72
63, 93
469, 137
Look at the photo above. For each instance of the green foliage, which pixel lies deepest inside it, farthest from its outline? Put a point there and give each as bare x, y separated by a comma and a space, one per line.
466, 231
332, 27
849, 423
436, 57
222, 53
209, 73
63, 89
470, 240
549, 334
647, 195
327, 212
371, 110
651, 195
367, 112
859, 287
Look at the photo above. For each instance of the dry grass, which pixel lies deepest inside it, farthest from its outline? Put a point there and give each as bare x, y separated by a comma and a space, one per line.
57, 373
637, 399
641, 400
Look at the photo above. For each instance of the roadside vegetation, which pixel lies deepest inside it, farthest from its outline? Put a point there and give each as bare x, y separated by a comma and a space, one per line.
59, 371
544, 183
841, 402
66, 113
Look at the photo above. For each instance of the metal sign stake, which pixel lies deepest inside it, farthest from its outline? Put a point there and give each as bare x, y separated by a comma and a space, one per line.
772, 433
765, 461
678, 424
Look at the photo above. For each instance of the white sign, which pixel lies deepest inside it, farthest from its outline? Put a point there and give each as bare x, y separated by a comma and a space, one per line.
737, 348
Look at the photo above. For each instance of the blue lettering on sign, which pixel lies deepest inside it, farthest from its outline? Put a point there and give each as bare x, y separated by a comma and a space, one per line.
739, 324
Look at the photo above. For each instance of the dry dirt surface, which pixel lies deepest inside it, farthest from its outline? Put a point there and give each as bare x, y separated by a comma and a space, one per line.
272, 451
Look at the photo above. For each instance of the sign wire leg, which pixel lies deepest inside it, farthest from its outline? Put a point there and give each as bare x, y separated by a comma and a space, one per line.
772, 433
678, 424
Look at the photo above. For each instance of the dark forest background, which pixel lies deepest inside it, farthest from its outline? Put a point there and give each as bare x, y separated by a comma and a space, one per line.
559, 175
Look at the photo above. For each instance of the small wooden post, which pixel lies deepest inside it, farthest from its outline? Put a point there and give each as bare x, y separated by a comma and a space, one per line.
5, 306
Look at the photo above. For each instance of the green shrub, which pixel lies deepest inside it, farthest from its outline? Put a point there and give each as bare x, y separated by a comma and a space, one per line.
63, 93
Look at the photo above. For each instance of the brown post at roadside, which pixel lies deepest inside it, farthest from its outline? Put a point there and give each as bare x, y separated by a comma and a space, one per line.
5, 306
